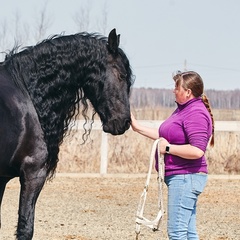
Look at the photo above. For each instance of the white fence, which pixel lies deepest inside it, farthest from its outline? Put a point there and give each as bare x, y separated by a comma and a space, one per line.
227, 126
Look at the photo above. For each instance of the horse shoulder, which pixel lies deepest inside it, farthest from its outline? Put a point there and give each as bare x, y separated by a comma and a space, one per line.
20, 130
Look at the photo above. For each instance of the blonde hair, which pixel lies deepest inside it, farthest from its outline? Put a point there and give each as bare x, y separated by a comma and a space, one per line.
193, 81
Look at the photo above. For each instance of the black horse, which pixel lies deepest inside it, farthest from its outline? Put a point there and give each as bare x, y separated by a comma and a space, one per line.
41, 90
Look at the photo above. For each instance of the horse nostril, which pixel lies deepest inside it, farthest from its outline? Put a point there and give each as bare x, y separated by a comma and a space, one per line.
127, 124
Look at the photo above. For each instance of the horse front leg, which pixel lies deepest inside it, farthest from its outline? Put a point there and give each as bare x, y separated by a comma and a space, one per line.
30, 190
3, 182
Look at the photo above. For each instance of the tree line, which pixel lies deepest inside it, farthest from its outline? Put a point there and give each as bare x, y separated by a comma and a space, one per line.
153, 97
22, 34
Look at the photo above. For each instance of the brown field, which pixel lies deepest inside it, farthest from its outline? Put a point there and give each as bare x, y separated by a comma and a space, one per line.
129, 153
94, 207
91, 207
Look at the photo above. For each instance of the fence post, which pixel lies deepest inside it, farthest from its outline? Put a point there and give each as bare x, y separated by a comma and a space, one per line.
104, 153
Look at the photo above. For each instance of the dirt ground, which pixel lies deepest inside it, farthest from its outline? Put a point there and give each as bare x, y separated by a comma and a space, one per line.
91, 207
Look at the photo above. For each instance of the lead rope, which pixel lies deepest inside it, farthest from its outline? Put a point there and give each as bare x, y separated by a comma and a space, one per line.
140, 219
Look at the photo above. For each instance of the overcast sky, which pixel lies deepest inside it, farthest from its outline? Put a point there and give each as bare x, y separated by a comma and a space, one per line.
158, 36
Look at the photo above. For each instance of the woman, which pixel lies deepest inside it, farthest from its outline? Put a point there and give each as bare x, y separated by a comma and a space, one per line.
184, 137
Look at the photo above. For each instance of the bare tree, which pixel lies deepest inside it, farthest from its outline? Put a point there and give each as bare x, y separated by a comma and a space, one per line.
18, 37
102, 25
3, 39
42, 24
21, 30
9, 38
82, 18
3, 34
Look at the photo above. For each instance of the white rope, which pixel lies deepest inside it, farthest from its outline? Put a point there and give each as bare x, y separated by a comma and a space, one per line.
140, 219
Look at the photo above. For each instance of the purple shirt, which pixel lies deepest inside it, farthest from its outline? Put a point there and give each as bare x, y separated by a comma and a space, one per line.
191, 124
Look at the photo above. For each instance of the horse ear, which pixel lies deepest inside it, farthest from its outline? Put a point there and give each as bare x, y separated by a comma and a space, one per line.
113, 41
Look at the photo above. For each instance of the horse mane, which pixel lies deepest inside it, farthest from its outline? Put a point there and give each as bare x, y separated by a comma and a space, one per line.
42, 71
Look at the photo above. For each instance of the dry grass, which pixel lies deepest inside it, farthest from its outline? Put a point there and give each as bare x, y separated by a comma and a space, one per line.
129, 153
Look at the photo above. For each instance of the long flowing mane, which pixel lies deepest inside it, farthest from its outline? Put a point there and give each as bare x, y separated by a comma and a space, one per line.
54, 72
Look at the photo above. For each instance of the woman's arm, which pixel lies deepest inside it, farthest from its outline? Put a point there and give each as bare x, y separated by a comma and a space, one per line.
186, 151
143, 130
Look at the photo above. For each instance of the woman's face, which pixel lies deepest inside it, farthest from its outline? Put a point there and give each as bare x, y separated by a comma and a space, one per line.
181, 94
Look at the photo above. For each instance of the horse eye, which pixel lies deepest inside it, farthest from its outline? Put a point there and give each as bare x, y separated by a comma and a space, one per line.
122, 76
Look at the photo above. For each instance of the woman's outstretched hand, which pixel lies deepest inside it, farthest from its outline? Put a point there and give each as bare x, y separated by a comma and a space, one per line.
134, 122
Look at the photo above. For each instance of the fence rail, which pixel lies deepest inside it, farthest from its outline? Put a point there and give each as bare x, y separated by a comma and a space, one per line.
224, 126
227, 126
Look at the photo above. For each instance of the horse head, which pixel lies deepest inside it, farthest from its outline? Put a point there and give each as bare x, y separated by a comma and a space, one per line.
111, 100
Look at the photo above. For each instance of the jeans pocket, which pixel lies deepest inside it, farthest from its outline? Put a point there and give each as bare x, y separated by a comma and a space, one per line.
198, 183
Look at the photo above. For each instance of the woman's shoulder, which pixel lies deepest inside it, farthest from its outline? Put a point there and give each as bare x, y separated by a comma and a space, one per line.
196, 108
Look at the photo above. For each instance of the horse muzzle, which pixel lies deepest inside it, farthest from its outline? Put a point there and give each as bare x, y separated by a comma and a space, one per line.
116, 127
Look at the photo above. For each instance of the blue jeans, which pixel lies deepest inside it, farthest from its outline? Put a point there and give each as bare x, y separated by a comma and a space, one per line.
183, 192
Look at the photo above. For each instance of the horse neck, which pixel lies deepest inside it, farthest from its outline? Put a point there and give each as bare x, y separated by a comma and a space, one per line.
61, 66
54, 74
